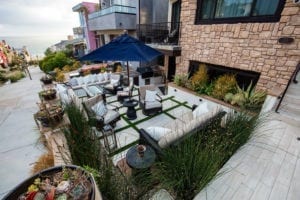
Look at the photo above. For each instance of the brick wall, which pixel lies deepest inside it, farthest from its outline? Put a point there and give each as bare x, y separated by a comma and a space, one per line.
248, 46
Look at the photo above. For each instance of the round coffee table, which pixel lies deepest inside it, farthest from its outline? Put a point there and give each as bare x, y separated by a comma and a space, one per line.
130, 104
136, 161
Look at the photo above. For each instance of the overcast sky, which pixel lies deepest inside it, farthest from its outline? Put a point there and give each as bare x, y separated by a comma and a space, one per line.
38, 17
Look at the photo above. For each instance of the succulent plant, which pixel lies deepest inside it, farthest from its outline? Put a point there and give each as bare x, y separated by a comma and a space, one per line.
228, 97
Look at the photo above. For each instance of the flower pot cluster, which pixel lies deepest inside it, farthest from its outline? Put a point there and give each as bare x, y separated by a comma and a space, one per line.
49, 114
46, 79
63, 182
48, 94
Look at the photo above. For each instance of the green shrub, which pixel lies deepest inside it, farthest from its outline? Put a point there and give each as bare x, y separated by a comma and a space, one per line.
187, 167
3, 78
15, 76
54, 60
181, 79
223, 85
75, 65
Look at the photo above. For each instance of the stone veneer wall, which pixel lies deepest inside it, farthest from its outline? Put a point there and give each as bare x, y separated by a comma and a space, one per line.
247, 46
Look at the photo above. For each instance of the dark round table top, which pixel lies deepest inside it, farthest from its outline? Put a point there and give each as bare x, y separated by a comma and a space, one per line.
130, 102
134, 160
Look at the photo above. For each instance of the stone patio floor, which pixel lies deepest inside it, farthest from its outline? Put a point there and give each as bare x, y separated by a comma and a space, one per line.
267, 167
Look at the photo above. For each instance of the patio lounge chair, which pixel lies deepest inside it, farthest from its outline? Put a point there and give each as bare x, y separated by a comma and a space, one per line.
150, 101
176, 131
99, 114
115, 81
126, 92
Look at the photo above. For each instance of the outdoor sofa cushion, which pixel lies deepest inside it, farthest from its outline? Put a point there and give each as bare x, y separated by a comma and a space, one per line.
157, 132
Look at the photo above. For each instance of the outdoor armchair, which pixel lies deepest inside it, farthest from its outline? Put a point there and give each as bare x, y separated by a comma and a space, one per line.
126, 92
115, 81
149, 100
99, 114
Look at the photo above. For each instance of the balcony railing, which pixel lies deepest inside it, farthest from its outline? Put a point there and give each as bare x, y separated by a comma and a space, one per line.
77, 30
159, 33
113, 9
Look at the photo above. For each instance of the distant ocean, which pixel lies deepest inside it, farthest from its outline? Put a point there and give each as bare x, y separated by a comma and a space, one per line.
36, 45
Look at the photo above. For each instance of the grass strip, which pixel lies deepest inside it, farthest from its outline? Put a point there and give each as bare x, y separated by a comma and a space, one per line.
123, 148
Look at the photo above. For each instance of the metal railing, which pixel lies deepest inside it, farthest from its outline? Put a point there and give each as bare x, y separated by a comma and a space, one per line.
113, 9
159, 33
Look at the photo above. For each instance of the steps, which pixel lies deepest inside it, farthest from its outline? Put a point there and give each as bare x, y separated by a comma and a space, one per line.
289, 110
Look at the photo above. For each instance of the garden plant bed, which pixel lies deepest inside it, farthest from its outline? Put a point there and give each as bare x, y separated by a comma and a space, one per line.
62, 182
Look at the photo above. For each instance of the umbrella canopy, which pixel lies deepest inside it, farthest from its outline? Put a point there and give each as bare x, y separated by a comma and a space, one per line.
123, 48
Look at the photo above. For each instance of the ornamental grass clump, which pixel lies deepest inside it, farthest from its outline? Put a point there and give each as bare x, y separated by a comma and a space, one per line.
198, 82
223, 85
181, 79
186, 168
86, 151
14, 76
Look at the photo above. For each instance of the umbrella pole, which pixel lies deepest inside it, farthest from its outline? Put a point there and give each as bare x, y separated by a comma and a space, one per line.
128, 72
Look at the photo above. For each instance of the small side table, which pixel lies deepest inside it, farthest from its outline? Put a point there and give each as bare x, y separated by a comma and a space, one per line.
130, 104
136, 161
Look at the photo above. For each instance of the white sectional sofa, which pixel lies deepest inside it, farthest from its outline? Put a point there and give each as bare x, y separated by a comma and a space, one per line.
182, 127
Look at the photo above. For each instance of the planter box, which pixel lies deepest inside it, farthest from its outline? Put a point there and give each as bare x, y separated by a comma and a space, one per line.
20, 189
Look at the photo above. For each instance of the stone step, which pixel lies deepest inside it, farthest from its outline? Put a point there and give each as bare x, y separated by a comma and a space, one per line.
289, 118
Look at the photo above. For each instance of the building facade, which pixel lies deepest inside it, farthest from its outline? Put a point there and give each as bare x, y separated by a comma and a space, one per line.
113, 17
250, 37
84, 37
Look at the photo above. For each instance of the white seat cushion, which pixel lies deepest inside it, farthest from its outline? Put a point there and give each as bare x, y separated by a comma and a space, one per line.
99, 108
150, 96
100, 77
157, 132
80, 81
105, 75
200, 110
152, 104
110, 116
87, 79
114, 82
73, 82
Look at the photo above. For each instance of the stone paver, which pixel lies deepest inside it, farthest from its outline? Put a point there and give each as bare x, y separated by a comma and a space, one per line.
19, 147
266, 168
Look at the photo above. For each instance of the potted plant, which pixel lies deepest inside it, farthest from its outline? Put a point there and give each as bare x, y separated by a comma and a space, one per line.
51, 115
62, 182
48, 94
46, 79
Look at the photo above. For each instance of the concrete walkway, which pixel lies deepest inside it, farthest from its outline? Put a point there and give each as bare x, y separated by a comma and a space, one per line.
19, 147
266, 168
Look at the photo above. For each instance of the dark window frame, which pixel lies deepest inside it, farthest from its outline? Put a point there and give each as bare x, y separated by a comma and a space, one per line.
243, 76
233, 20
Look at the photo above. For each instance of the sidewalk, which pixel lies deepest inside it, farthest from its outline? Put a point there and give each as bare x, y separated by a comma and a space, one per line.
18, 132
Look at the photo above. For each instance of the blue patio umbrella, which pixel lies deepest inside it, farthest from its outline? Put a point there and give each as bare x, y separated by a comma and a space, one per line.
123, 48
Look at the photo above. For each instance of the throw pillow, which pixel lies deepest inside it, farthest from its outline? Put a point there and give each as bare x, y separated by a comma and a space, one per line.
73, 82
87, 79
105, 75
80, 81
200, 110
114, 82
157, 132
99, 108
100, 77
150, 95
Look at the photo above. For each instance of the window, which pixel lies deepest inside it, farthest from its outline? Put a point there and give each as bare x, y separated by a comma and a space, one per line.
234, 11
